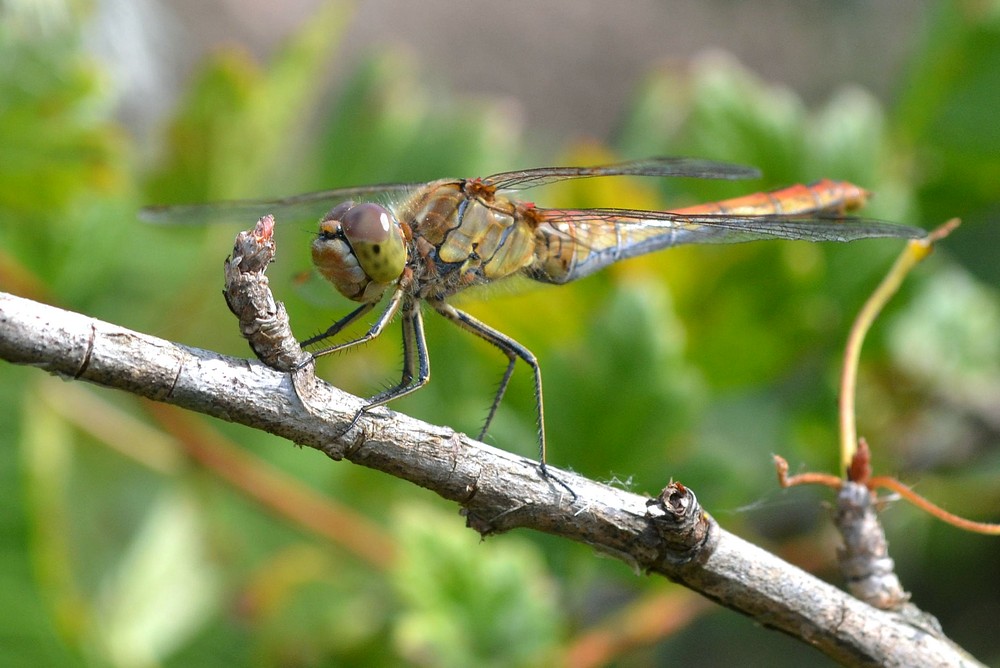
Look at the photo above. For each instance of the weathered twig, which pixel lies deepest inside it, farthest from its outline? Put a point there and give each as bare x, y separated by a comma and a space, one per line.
868, 570
263, 320
498, 490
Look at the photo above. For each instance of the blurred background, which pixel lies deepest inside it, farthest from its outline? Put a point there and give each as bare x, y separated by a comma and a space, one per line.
137, 535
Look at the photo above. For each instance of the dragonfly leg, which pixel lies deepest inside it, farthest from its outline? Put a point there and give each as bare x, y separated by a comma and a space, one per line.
387, 315
415, 359
501, 390
336, 327
513, 350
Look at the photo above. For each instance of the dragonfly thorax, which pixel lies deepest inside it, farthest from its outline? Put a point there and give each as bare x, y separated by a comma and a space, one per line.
360, 249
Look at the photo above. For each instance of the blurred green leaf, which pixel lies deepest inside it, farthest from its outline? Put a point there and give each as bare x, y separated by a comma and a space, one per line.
164, 588
61, 160
946, 121
239, 124
465, 603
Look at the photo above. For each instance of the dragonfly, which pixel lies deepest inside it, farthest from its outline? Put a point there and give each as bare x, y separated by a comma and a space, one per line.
416, 244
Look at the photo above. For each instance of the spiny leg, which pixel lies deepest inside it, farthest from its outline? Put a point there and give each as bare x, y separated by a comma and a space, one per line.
512, 349
501, 390
414, 358
376, 329
336, 327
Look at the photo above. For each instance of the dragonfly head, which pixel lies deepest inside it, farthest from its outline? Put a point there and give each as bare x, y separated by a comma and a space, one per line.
360, 249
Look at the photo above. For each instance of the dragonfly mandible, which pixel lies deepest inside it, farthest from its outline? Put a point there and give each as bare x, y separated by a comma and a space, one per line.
425, 242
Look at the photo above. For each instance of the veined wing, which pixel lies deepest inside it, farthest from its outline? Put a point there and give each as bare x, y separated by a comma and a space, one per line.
314, 205
728, 228
298, 207
689, 167
577, 243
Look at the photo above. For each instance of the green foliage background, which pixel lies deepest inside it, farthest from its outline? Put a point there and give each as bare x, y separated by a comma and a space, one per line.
116, 548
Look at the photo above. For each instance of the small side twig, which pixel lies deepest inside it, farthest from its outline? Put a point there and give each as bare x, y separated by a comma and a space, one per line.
868, 570
865, 563
916, 251
263, 320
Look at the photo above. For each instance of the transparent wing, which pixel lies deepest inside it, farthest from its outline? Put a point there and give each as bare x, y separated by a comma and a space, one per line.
314, 205
298, 207
689, 167
604, 226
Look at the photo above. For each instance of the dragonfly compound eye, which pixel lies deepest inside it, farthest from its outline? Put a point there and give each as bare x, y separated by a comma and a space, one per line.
337, 212
376, 241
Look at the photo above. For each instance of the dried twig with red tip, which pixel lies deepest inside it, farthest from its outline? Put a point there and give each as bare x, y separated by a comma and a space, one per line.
855, 454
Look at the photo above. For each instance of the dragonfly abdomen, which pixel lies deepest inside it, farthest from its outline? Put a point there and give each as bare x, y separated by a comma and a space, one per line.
566, 251
571, 244
825, 195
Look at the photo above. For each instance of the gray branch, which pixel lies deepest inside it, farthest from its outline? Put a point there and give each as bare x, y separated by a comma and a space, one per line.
498, 491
